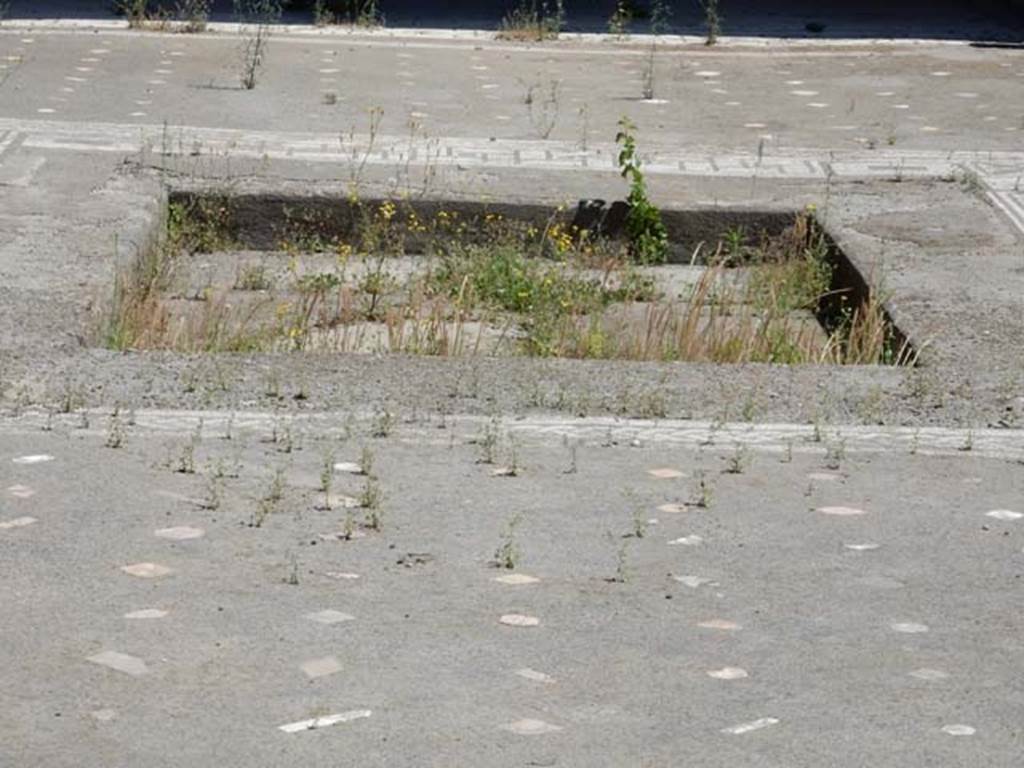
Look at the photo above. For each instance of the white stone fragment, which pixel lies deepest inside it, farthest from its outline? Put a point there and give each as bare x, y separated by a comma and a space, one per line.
728, 673
146, 570
325, 721
841, 511
121, 662
688, 541
516, 579
341, 501
348, 466
18, 522
535, 676
693, 582
958, 729
722, 624
530, 727
1004, 514
664, 473
21, 492
672, 509
146, 613
342, 575
179, 533
861, 547
929, 674
329, 616
103, 715
38, 458
909, 627
519, 620
316, 668
754, 725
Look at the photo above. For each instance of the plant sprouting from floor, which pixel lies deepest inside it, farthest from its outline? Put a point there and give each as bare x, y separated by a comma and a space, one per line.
488, 441
703, 493
383, 423
648, 238
270, 502
712, 20
366, 461
256, 18
619, 21
738, 461
186, 463
327, 477
621, 548
533, 20
661, 17
213, 492
292, 579
507, 554
835, 452
370, 500
115, 430
647, 80
194, 14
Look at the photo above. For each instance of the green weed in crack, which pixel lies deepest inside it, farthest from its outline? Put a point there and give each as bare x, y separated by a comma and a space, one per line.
704, 492
618, 22
533, 21
270, 502
327, 477
367, 458
648, 238
835, 452
256, 18
488, 441
213, 492
292, 579
194, 14
370, 500
620, 546
739, 460
507, 554
186, 463
383, 424
115, 430
712, 20
573, 467
647, 77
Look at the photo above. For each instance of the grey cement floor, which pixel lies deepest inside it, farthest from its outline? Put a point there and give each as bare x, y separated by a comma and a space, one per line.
825, 608
849, 598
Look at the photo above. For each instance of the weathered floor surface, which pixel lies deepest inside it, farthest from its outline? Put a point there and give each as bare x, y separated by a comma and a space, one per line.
180, 589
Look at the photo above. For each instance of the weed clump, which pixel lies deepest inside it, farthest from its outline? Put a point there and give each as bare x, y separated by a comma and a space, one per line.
648, 238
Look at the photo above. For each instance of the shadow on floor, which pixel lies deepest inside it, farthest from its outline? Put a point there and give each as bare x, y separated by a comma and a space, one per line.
1000, 21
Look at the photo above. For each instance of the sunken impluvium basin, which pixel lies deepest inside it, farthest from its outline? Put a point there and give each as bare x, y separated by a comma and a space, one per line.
271, 273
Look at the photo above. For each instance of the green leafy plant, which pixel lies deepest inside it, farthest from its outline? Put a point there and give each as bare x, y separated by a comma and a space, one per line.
619, 21
648, 238
533, 21
194, 14
507, 554
712, 20
256, 18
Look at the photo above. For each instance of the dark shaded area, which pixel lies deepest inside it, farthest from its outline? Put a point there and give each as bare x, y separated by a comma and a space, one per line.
976, 20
